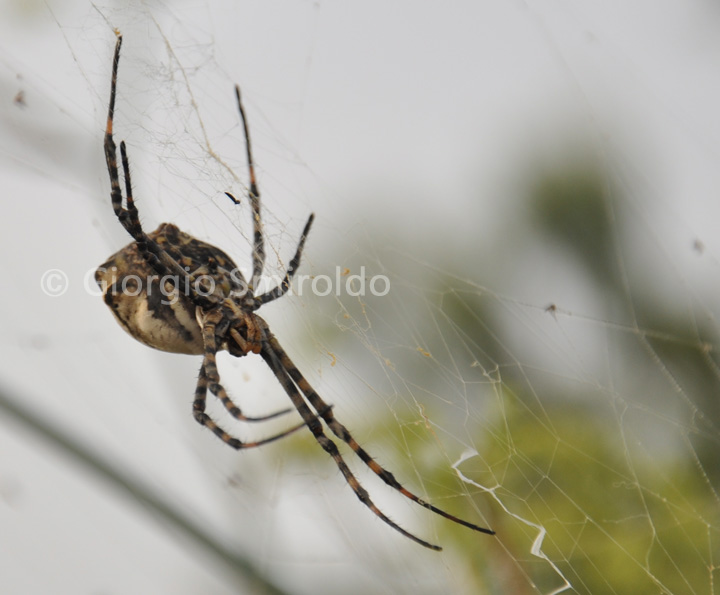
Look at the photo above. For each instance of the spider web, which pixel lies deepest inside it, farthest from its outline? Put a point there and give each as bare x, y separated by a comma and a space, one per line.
536, 184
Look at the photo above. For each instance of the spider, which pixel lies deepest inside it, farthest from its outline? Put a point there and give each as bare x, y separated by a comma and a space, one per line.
176, 293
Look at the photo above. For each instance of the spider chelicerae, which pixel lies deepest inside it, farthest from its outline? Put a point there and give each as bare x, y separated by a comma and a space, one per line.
176, 293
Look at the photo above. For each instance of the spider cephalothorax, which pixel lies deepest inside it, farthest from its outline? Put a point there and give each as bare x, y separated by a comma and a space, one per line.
176, 293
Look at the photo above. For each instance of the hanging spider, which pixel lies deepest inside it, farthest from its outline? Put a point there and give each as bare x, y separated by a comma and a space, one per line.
176, 293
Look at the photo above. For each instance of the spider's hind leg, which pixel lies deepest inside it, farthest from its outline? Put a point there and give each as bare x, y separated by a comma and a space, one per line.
281, 289
128, 216
258, 255
111, 148
161, 262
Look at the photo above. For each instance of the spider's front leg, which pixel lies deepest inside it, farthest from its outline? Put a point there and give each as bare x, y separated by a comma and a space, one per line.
209, 378
315, 426
292, 379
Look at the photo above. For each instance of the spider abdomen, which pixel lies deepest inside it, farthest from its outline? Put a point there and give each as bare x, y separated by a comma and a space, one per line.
154, 315
158, 311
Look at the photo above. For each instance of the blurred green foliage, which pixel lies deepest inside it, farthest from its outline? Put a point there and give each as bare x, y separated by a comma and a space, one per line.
623, 475
571, 206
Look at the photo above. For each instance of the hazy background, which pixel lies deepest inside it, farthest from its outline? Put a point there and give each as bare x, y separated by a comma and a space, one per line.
537, 180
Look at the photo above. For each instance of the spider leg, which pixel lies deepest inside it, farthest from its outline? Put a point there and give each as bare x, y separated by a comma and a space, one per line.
128, 216
342, 432
158, 259
205, 420
315, 426
219, 391
281, 289
111, 148
258, 254
210, 377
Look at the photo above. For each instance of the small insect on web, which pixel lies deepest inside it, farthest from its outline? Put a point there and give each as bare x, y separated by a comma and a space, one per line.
176, 293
